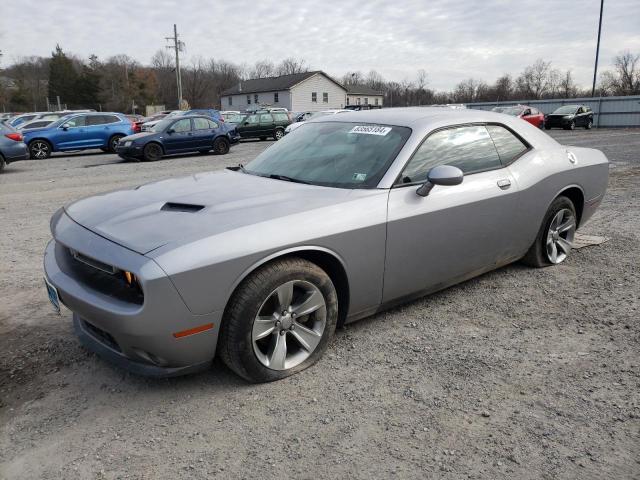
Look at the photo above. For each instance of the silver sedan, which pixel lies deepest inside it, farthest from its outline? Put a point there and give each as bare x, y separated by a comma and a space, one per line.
350, 215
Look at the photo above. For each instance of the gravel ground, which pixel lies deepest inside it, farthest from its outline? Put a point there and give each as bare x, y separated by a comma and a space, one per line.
520, 373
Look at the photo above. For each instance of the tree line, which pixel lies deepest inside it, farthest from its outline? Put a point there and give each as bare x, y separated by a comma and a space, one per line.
120, 83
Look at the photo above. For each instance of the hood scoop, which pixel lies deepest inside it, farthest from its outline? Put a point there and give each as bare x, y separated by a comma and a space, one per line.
181, 207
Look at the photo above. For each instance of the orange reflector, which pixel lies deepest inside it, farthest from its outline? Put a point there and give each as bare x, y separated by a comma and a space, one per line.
192, 331
129, 277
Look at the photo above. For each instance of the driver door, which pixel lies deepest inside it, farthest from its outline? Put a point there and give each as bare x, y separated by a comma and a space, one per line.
455, 232
181, 138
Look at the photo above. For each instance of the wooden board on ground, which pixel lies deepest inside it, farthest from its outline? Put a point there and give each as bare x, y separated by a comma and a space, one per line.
581, 240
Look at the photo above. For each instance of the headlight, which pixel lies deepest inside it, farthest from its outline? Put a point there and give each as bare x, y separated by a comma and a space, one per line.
128, 143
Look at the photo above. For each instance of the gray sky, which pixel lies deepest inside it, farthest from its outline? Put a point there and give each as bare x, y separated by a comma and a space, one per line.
451, 39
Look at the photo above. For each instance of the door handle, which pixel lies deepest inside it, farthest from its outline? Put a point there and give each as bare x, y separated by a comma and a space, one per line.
504, 183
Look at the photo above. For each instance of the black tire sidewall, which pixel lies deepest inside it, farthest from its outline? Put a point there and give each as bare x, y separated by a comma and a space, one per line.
238, 323
2, 163
112, 143
537, 254
216, 144
149, 146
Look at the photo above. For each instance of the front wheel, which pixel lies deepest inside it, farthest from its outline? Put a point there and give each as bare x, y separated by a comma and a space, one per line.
279, 133
152, 152
221, 146
571, 126
113, 143
39, 149
555, 237
279, 321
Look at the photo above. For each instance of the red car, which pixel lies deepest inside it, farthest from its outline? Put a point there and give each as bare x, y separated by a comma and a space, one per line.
532, 115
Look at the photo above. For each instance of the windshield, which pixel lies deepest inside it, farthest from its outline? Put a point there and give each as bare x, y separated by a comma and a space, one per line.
515, 111
162, 124
334, 154
233, 117
567, 109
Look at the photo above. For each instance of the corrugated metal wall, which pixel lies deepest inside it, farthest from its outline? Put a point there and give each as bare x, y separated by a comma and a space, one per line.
608, 111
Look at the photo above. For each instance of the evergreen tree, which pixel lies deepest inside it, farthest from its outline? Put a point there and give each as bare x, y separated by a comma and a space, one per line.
62, 78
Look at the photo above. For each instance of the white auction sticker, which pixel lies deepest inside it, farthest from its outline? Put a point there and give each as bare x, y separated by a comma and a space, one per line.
370, 130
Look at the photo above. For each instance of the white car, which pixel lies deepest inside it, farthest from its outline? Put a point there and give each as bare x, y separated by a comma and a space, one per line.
293, 126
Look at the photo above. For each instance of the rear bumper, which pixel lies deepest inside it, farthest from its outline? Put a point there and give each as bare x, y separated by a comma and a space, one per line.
14, 152
137, 336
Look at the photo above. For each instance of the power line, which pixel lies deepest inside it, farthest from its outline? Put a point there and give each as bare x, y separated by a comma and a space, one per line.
178, 46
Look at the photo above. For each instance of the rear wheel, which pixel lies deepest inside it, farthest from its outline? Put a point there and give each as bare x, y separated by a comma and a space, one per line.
572, 125
152, 152
589, 124
39, 149
555, 237
221, 146
2, 163
279, 321
279, 133
113, 142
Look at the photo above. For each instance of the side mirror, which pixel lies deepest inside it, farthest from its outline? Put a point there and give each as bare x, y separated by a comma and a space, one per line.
170, 131
246, 123
65, 127
441, 175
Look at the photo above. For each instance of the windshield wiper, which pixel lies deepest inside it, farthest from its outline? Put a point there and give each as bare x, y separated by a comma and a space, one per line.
287, 179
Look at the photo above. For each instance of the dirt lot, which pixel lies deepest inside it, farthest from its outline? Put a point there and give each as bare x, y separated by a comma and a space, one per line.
521, 373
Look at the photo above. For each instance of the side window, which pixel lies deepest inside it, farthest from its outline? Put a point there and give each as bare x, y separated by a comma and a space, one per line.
230, 101
252, 119
314, 96
325, 97
587, 109
182, 126
580, 110
281, 117
248, 99
275, 97
468, 148
110, 119
80, 121
508, 145
266, 118
255, 98
201, 124
95, 120
212, 125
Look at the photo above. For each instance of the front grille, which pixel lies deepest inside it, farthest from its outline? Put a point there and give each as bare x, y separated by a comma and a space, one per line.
101, 336
97, 275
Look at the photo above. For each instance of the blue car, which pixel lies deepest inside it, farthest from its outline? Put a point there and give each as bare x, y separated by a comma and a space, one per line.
209, 112
181, 134
12, 148
80, 131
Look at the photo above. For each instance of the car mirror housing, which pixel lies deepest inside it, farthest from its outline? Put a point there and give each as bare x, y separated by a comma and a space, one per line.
170, 131
441, 175
65, 126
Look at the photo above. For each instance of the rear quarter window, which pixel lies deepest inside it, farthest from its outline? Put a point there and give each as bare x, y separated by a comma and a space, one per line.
509, 146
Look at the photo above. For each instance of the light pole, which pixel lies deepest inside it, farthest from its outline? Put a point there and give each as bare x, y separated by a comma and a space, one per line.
595, 68
177, 46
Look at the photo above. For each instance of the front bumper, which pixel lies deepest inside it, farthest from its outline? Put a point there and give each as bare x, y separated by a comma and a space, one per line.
136, 336
134, 151
557, 122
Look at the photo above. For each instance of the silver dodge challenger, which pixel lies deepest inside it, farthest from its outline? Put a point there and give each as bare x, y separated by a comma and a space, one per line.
346, 216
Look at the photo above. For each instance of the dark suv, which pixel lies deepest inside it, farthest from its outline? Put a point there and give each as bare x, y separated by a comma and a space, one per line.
570, 117
264, 124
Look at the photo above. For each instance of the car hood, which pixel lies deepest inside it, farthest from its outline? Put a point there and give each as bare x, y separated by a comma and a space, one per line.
182, 210
138, 136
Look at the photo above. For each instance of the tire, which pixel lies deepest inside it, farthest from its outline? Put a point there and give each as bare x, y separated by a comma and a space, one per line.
249, 346
571, 126
547, 127
152, 152
113, 142
589, 124
539, 254
221, 146
278, 134
2, 163
39, 149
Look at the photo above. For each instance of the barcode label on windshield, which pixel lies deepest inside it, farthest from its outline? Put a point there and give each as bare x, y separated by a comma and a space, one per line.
370, 130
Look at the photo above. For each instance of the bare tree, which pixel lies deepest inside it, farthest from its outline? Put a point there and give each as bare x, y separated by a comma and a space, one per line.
261, 69
567, 87
353, 78
625, 78
292, 65
535, 80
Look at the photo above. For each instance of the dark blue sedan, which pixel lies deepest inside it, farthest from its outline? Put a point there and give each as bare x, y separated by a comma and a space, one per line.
193, 133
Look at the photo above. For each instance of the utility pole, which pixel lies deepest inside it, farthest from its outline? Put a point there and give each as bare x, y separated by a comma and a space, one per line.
178, 46
595, 68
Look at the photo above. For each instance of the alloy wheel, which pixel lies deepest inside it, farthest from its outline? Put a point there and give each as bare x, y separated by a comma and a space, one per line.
279, 134
289, 325
39, 150
560, 236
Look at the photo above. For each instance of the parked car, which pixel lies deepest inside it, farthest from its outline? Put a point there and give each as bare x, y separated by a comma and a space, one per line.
353, 214
570, 117
312, 115
529, 114
34, 124
499, 109
263, 125
186, 133
12, 146
233, 118
25, 117
78, 132
152, 121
